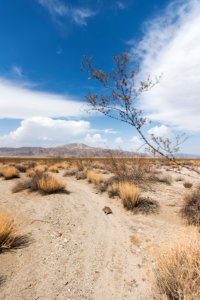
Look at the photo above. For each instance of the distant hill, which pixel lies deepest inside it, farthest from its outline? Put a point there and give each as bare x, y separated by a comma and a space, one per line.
68, 150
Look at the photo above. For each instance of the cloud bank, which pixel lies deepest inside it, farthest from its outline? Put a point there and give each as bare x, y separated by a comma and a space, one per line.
43, 131
60, 11
20, 102
171, 46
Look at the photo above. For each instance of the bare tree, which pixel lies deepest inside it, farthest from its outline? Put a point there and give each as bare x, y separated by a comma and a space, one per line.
118, 98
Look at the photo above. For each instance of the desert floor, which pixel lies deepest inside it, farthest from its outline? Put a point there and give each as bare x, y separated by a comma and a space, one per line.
77, 252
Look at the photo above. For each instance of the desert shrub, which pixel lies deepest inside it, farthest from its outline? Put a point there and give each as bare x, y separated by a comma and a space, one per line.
21, 185
136, 169
71, 172
53, 169
97, 165
191, 208
187, 184
129, 193
30, 172
113, 189
179, 178
9, 172
80, 175
47, 183
165, 178
178, 271
21, 168
93, 177
146, 205
40, 168
80, 165
9, 235
102, 186
44, 182
31, 164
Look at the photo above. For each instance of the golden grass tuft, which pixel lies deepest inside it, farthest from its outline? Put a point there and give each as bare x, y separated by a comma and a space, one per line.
53, 168
47, 183
129, 193
113, 189
9, 236
9, 172
178, 271
93, 177
191, 208
30, 172
40, 168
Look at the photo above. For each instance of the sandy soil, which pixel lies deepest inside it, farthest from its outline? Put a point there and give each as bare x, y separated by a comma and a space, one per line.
77, 252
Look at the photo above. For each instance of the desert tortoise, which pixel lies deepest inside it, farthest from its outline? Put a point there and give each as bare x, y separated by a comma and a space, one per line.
107, 210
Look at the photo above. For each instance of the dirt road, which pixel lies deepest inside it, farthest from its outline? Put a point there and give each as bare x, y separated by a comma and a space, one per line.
77, 252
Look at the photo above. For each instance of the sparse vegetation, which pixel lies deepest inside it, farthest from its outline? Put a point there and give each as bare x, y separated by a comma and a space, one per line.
191, 208
187, 184
113, 189
178, 271
40, 168
53, 169
165, 178
9, 236
80, 175
47, 183
44, 182
9, 172
71, 172
129, 193
93, 177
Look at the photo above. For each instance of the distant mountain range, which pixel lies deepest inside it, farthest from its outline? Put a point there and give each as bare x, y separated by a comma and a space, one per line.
73, 150
68, 150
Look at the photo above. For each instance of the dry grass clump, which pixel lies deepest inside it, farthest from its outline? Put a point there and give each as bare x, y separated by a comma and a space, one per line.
44, 182
40, 168
9, 236
49, 184
132, 200
9, 172
129, 193
81, 175
191, 208
71, 172
178, 271
146, 205
187, 184
93, 177
21, 168
30, 172
135, 169
53, 168
113, 189
21, 185
165, 178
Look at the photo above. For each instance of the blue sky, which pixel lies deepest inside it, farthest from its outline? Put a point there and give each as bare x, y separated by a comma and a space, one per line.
42, 88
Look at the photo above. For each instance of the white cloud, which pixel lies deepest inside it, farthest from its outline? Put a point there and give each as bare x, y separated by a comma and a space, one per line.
120, 5
110, 131
41, 131
54, 7
160, 131
95, 139
60, 11
119, 141
171, 45
20, 102
17, 71
80, 15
